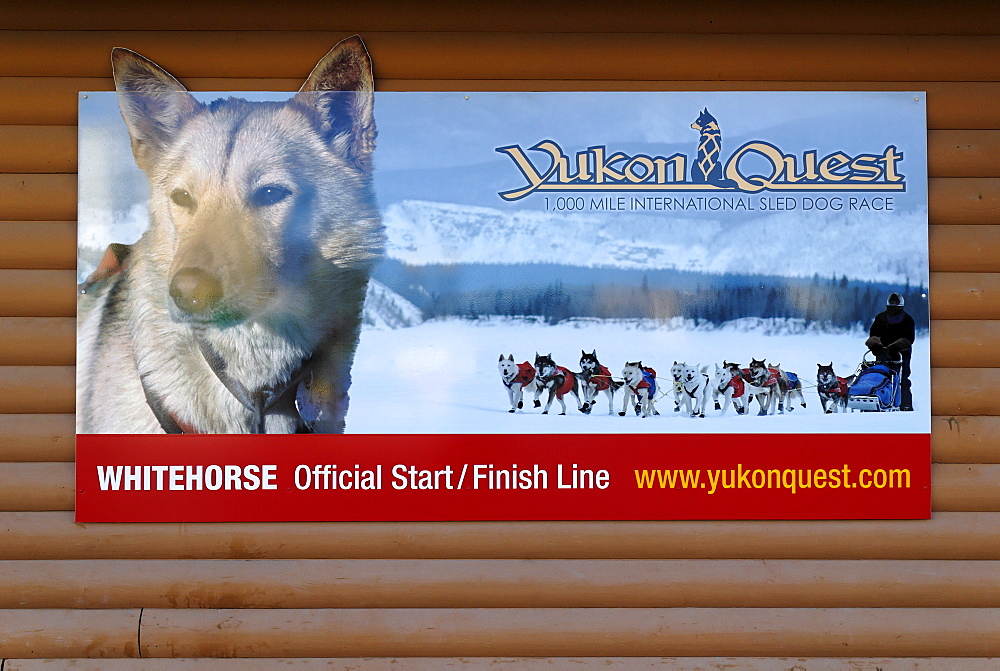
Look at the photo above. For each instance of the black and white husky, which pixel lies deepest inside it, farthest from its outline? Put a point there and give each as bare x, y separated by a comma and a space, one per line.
764, 382
595, 378
557, 380
516, 378
832, 389
696, 386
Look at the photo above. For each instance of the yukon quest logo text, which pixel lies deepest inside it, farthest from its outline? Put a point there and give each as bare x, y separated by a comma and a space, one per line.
754, 167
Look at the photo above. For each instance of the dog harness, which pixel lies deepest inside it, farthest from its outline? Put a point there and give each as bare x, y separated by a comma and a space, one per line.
649, 377
525, 374
773, 376
648, 382
736, 382
793, 380
567, 383
836, 389
601, 379
693, 393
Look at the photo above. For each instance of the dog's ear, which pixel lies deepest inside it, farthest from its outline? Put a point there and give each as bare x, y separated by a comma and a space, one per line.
341, 92
510, 356
501, 357
153, 103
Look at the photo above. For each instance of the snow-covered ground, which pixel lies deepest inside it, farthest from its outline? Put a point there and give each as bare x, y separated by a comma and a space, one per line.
441, 377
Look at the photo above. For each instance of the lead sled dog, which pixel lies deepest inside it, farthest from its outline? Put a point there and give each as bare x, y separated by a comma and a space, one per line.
239, 308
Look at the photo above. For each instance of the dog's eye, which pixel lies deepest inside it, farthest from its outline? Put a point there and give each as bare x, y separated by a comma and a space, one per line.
269, 195
182, 198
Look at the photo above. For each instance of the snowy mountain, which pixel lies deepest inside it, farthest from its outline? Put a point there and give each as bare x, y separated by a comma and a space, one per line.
864, 246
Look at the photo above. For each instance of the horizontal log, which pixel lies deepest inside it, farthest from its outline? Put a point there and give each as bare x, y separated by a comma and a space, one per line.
38, 341
964, 391
925, 632
37, 197
34, 486
51, 341
956, 200
53, 149
45, 149
34, 389
37, 438
54, 535
24, 438
963, 248
37, 244
69, 633
441, 583
957, 153
38, 486
965, 440
590, 631
37, 293
955, 487
528, 663
852, 16
522, 55
965, 295
40, 437
959, 343
50, 389
950, 105
52, 244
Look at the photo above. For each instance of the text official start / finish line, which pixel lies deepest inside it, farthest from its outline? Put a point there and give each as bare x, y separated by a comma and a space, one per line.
328, 476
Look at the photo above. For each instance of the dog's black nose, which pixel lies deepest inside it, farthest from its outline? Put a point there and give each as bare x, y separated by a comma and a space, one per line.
195, 291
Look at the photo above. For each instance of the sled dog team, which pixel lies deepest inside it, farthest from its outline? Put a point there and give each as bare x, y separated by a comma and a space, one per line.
689, 385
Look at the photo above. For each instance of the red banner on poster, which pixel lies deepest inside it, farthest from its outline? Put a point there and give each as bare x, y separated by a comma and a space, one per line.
225, 478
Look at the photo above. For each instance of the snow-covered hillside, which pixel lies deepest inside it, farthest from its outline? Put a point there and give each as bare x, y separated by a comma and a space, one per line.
863, 246
384, 308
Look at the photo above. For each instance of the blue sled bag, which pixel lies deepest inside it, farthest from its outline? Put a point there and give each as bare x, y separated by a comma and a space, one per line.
876, 389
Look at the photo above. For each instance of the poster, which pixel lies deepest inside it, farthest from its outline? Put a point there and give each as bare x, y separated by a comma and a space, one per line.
676, 233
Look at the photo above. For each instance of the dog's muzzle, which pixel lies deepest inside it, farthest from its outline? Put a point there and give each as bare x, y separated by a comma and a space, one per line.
195, 291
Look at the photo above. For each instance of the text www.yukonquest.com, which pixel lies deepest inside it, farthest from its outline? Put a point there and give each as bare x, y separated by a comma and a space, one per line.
791, 479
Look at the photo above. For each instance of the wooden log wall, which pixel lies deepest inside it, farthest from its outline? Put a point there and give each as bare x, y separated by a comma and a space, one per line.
698, 595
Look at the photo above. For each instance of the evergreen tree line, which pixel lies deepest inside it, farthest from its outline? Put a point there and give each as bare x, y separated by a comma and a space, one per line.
837, 302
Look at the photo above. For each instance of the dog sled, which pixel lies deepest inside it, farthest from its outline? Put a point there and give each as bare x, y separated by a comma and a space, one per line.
876, 386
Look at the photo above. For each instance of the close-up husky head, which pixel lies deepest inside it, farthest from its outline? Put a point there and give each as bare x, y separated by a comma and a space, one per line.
239, 308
